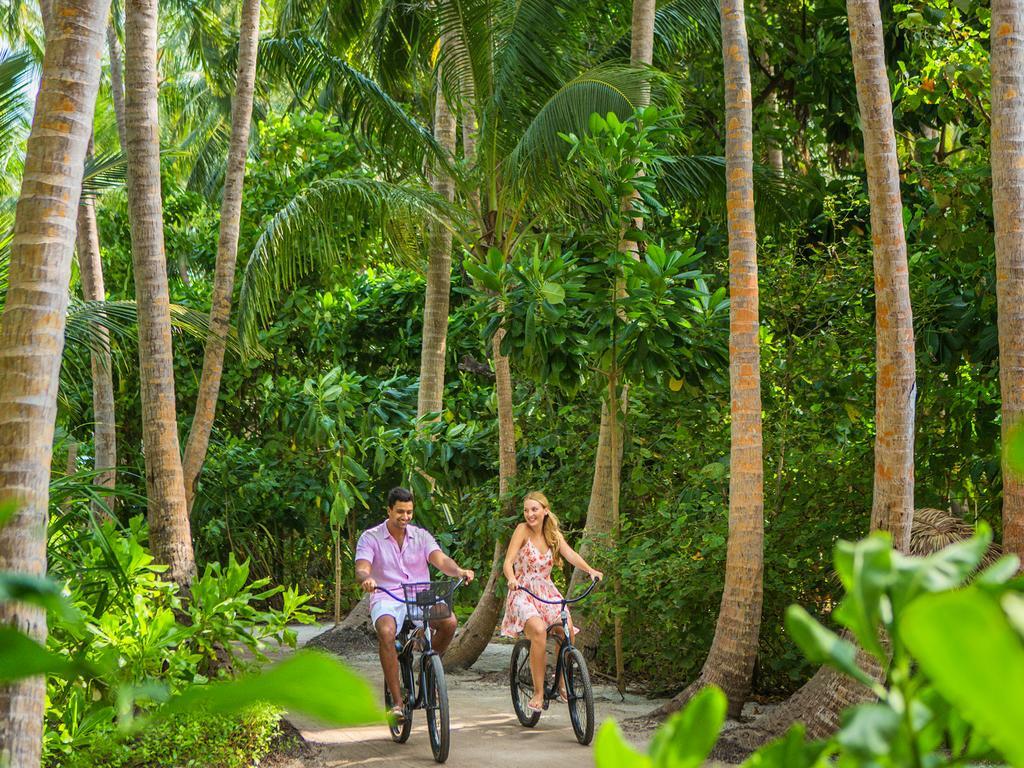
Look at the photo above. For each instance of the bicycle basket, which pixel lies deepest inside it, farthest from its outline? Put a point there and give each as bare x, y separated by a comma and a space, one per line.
429, 600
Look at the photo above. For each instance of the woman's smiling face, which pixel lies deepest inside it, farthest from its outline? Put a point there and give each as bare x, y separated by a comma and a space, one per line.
534, 513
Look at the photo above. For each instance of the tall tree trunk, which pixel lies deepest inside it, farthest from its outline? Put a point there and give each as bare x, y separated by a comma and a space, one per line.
169, 531
104, 430
730, 662
1008, 210
117, 83
819, 702
602, 509
32, 330
439, 269
227, 250
470, 643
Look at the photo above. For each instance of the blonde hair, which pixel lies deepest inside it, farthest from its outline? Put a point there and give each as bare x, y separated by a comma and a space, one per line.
550, 528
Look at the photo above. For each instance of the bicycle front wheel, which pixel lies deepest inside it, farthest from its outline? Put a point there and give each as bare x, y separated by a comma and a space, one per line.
436, 697
580, 695
521, 683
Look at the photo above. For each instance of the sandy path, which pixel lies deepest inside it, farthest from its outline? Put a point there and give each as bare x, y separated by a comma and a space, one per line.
485, 731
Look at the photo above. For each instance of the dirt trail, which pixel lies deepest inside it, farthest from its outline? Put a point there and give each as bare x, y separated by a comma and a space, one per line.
485, 731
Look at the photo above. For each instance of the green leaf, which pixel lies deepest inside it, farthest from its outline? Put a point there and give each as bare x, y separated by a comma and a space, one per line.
309, 682
866, 570
687, 737
869, 730
21, 657
38, 590
611, 750
1015, 449
7, 510
823, 646
553, 293
966, 646
946, 569
789, 751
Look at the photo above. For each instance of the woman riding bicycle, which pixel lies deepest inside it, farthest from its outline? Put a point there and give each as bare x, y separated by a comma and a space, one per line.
536, 546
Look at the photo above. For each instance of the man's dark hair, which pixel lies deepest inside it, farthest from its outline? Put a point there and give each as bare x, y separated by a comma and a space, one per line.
398, 494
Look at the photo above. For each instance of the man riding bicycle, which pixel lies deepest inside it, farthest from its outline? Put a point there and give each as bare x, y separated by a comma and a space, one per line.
389, 555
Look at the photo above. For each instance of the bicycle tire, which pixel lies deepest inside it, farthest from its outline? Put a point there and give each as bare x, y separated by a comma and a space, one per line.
580, 694
438, 717
399, 731
521, 684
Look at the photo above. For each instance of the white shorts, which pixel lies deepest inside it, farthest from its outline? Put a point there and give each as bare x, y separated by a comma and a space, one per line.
393, 608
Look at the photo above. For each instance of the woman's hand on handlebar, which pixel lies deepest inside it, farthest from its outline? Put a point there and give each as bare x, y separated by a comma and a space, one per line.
368, 585
596, 575
513, 583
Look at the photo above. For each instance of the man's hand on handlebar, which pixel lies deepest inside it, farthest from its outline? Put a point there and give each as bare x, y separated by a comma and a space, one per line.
368, 585
467, 574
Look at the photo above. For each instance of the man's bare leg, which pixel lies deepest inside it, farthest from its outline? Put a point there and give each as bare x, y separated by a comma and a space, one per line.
386, 631
442, 632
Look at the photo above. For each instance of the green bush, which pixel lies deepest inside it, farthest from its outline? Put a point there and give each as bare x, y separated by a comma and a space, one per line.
182, 741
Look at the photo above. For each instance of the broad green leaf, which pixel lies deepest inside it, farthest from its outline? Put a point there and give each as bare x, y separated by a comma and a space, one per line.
21, 657
866, 570
553, 293
7, 510
946, 569
687, 737
611, 750
823, 646
1000, 572
869, 730
38, 590
966, 646
309, 682
789, 751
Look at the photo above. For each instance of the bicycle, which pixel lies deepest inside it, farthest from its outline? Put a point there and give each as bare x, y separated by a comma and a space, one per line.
427, 601
569, 664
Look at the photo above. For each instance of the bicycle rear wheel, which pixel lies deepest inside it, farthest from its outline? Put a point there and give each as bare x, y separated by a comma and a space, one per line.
521, 683
580, 695
400, 731
436, 696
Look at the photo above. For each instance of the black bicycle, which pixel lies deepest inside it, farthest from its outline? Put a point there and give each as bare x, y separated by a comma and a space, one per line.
427, 601
570, 666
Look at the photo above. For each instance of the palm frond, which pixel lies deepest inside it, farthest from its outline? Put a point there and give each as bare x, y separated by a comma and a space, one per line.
104, 172
682, 28
327, 222
394, 41
540, 149
313, 71
17, 72
698, 181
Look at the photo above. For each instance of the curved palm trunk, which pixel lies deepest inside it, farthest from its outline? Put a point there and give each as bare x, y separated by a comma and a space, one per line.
117, 84
104, 431
169, 530
1008, 210
819, 702
32, 330
730, 662
471, 642
227, 250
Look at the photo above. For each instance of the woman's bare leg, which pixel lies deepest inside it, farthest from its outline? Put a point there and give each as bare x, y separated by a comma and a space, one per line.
536, 631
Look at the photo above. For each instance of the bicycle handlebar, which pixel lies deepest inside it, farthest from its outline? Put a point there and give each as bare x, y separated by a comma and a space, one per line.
563, 601
458, 583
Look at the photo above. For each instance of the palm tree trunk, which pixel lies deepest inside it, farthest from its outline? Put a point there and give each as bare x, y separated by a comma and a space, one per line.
169, 531
1008, 210
117, 83
104, 429
819, 702
32, 330
730, 662
439, 275
227, 250
467, 647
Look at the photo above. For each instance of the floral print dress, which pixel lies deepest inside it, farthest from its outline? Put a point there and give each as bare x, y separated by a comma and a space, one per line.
533, 571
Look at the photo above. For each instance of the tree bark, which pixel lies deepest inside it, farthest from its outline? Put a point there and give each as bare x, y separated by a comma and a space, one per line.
32, 330
169, 531
467, 647
1008, 210
227, 250
730, 662
90, 267
819, 702
439, 269
117, 83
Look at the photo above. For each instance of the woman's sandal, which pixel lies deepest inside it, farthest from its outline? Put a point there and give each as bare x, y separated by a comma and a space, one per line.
534, 708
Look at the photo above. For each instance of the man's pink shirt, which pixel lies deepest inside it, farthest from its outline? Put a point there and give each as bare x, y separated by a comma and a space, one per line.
391, 566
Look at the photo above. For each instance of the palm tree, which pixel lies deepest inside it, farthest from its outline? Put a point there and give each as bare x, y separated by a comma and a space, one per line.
730, 662
165, 489
1008, 211
227, 250
32, 327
